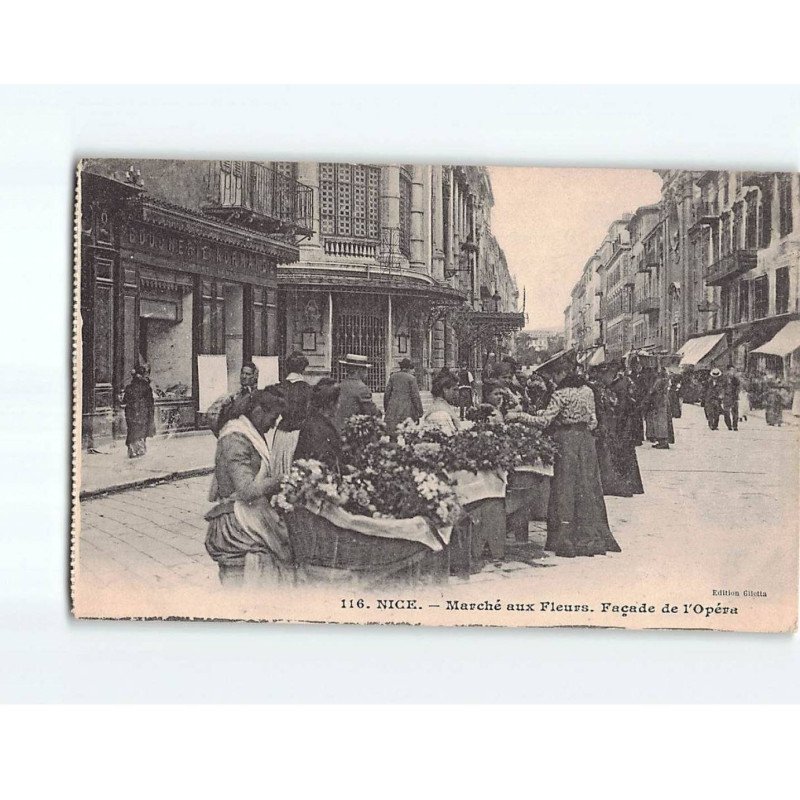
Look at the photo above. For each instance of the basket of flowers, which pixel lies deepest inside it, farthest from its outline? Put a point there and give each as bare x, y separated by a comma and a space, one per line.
380, 517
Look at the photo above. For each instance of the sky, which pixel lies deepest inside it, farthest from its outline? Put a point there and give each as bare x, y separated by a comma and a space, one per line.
549, 222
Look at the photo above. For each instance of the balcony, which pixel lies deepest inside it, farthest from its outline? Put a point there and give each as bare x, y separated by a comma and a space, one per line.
648, 304
648, 261
731, 265
704, 213
259, 197
342, 247
618, 246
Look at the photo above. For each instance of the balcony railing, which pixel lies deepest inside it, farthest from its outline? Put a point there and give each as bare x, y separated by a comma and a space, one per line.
731, 265
260, 197
350, 248
648, 304
705, 213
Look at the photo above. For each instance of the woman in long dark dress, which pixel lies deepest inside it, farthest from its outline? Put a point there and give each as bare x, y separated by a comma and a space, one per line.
627, 421
640, 389
773, 406
604, 436
577, 522
139, 411
242, 523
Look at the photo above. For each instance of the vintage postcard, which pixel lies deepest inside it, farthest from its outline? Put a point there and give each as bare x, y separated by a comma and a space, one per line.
436, 395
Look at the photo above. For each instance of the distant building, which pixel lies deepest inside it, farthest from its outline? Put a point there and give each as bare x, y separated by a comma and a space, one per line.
717, 260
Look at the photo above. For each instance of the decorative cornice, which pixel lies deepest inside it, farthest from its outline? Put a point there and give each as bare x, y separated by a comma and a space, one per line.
181, 220
364, 282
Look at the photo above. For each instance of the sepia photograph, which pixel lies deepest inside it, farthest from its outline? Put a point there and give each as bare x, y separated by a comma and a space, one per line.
436, 394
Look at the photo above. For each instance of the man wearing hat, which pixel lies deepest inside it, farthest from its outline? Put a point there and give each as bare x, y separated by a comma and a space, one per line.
355, 396
712, 398
401, 399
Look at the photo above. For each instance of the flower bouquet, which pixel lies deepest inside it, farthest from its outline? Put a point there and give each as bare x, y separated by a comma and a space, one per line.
530, 444
380, 479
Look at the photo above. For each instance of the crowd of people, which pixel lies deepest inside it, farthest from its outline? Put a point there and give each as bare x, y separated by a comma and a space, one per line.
597, 417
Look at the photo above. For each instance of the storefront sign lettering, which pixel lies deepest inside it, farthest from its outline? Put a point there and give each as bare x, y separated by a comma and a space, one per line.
195, 249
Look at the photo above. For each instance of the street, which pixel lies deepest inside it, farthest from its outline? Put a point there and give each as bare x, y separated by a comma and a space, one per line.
719, 512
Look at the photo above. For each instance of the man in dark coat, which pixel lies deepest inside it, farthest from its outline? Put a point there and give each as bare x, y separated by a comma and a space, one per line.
401, 400
229, 405
712, 398
355, 396
730, 398
139, 411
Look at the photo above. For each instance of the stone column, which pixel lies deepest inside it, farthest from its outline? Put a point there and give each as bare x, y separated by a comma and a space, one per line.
329, 343
389, 337
438, 355
417, 259
437, 224
450, 217
390, 211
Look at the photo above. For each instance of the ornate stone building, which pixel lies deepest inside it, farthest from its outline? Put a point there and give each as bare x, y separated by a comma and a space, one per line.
400, 263
179, 261
240, 259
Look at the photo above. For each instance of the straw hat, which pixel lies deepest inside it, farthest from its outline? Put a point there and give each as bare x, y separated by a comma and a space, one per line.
353, 360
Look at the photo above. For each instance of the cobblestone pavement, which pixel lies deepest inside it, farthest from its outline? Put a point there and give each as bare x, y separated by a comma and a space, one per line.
154, 534
715, 499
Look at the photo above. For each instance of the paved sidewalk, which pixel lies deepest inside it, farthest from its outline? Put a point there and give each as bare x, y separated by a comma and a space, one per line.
180, 456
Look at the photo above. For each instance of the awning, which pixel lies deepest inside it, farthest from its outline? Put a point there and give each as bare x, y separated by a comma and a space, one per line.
569, 353
593, 358
785, 341
701, 351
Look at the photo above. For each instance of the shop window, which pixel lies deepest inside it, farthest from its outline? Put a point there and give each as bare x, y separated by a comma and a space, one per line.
165, 331
782, 290
350, 200
785, 203
760, 297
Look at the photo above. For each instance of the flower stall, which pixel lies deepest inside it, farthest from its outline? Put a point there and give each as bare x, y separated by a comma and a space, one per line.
422, 506
385, 516
496, 466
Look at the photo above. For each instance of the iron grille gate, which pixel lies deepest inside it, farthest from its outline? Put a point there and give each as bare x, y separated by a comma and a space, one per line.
363, 334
